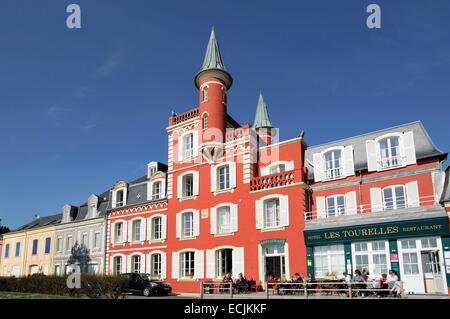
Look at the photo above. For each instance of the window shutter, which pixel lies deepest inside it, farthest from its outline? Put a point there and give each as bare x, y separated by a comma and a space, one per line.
125, 231
350, 203
175, 265
178, 221
409, 150
290, 166
142, 230
163, 265
264, 171
376, 199
148, 263
111, 265
321, 208
213, 220
149, 229
180, 149
114, 199
371, 151
412, 194
129, 263
349, 166
213, 178
259, 214
149, 191
196, 223
232, 175
199, 264
196, 183
164, 227
195, 142
238, 261
284, 211
318, 167
179, 186
123, 265
234, 218
125, 196
210, 264
130, 231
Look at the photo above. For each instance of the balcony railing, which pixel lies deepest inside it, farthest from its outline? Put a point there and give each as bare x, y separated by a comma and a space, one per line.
398, 204
333, 173
273, 180
389, 162
184, 117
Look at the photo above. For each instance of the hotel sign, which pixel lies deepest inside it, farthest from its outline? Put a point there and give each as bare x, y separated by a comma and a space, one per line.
401, 229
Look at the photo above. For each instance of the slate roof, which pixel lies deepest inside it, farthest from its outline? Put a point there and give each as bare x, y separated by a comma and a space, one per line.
422, 141
41, 222
262, 119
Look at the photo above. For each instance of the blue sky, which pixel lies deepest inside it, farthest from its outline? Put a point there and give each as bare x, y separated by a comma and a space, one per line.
81, 109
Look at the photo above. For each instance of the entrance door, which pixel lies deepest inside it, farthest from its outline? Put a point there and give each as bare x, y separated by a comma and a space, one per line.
275, 267
432, 271
274, 262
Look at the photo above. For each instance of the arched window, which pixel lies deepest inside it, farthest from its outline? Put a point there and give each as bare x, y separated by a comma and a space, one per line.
390, 151
155, 265
117, 265
118, 233
224, 95
136, 231
187, 263
120, 198
223, 220
136, 263
205, 121
156, 228
187, 220
333, 164
224, 262
275, 169
205, 93
223, 177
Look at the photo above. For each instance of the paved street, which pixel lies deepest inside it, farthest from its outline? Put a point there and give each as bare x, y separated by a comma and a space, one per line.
263, 296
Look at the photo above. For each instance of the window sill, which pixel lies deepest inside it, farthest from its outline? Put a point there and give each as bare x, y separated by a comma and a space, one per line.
187, 280
228, 190
136, 242
182, 199
156, 241
272, 229
187, 238
224, 235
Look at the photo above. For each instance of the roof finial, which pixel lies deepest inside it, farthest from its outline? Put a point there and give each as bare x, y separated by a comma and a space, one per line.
262, 119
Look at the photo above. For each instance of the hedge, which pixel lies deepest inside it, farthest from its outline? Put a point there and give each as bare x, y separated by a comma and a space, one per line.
92, 286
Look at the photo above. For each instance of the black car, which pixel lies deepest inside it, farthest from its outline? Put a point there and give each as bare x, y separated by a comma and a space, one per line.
145, 285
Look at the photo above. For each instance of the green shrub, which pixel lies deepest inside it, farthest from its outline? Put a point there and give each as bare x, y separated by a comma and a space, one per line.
92, 286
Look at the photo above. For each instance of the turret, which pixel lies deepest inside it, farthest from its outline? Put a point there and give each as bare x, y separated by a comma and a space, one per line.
262, 123
213, 82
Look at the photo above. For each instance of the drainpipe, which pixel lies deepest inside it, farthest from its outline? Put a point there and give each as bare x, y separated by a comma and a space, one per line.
361, 209
105, 256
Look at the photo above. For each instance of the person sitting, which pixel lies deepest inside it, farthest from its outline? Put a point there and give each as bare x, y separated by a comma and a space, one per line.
394, 283
241, 283
358, 280
383, 284
226, 282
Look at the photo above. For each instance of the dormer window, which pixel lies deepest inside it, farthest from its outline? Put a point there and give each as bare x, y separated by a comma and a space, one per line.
333, 164
205, 93
120, 198
390, 152
205, 121
92, 211
157, 190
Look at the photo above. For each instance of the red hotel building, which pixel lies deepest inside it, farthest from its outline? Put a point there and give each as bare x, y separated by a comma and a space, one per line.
233, 200
230, 199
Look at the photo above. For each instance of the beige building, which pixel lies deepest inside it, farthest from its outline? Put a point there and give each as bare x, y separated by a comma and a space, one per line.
29, 250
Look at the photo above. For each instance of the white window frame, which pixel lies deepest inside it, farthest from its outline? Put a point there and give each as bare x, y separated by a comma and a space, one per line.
329, 254
283, 212
134, 262
157, 231
398, 158
114, 195
122, 238
277, 213
205, 93
69, 243
339, 211
134, 231
183, 268
97, 235
181, 185
205, 120
371, 253
334, 172
395, 204
183, 230
59, 244
266, 170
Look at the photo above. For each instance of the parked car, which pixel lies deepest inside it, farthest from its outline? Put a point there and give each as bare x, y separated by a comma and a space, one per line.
145, 285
